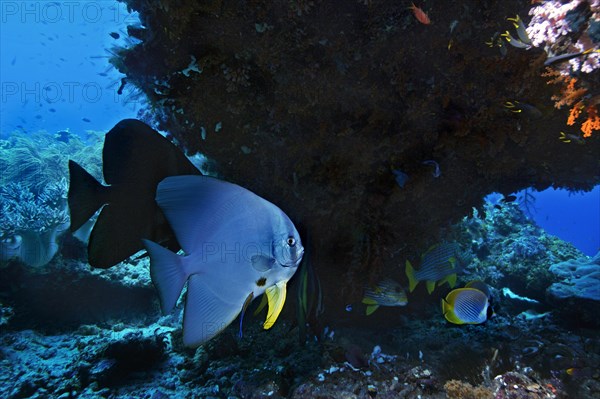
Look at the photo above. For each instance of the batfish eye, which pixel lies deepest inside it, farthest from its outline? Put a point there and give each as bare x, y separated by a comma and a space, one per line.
291, 241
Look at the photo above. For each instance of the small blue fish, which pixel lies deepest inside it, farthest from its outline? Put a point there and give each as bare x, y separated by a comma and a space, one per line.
466, 306
237, 246
401, 177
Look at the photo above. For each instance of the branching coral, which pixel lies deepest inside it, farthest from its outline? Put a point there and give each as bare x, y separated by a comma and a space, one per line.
33, 191
22, 210
37, 159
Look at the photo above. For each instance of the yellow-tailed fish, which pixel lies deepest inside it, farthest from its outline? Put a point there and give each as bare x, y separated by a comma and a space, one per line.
569, 56
386, 293
439, 264
466, 306
518, 107
237, 246
521, 30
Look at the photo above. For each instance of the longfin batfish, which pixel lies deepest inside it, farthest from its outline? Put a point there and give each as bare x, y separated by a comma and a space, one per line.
135, 159
236, 246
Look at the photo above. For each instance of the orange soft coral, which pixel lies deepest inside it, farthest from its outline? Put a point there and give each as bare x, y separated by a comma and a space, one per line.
575, 112
591, 123
572, 96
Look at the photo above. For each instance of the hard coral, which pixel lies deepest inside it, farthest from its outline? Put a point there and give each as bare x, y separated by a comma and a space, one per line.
463, 390
577, 293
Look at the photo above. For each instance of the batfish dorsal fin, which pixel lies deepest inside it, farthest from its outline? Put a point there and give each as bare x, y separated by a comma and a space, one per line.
197, 205
138, 155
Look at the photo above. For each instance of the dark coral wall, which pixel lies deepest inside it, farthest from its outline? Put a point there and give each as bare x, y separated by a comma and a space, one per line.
319, 101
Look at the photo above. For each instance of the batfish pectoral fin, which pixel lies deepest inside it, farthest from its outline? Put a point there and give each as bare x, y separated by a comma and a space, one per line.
276, 298
206, 314
262, 263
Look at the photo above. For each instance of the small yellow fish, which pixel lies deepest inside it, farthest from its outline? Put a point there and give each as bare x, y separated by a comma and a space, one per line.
385, 293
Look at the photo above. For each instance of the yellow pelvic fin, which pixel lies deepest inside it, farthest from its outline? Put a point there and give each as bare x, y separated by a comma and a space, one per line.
261, 305
410, 273
369, 301
276, 298
371, 309
430, 286
451, 280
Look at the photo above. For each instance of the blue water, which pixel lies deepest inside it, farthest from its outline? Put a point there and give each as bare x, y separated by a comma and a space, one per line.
55, 75
54, 66
574, 217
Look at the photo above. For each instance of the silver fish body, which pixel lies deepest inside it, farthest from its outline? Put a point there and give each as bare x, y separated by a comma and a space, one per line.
237, 246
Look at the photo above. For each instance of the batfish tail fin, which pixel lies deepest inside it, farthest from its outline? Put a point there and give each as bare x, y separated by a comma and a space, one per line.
167, 273
86, 195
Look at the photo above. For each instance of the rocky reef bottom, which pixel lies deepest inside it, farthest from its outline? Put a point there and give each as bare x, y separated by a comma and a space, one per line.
70, 332
419, 358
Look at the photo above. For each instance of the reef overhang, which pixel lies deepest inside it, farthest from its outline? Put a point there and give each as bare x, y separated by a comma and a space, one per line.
314, 105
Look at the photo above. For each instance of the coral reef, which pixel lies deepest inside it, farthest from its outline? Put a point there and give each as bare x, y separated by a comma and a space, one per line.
112, 342
509, 250
570, 30
463, 390
577, 294
33, 191
313, 106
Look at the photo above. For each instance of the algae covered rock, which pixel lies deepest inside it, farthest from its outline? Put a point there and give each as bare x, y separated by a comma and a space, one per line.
578, 292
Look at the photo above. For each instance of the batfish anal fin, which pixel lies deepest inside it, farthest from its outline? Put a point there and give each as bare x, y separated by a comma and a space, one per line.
206, 315
167, 273
118, 233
